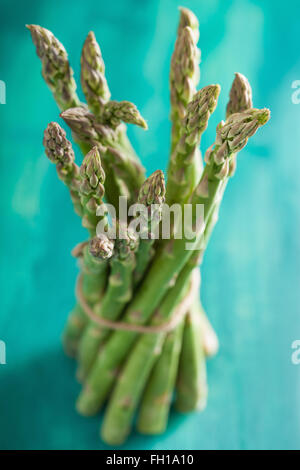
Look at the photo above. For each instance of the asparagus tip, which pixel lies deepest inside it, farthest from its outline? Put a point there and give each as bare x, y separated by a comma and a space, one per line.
240, 95
101, 247
57, 147
153, 190
188, 18
263, 116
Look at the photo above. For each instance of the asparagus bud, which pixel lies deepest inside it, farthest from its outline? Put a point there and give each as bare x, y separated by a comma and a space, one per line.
240, 96
126, 241
187, 18
93, 81
240, 99
183, 74
92, 174
82, 123
101, 247
232, 136
91, 188
115, 112
199, 110
152, 195
57, 147
153, 189
55, 67
59, 151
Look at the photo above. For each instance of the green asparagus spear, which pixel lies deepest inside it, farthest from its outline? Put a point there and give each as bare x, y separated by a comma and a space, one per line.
183, 177
184, 73
56, 69
189, 386
91, 189
156, 401
136, 370
152, 196
91, 192
232, 136
117, 294
59, 151
191, 379
93, 81
97, 94
183, 174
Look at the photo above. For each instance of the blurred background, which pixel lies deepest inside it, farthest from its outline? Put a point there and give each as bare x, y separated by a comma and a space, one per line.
251, 272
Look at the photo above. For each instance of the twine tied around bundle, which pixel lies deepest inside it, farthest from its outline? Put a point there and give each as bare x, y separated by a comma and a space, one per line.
179, 311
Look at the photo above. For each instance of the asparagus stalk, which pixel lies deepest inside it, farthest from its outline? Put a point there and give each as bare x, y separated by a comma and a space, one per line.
91, 192
191, 380
91, 189
94, 273
117, 294
184, 73
97, 94
59, 151
189, 387
183, 174
56, 69
152, 196
156, 401
209, 336
183, 177
185, 165
232, 136
124, 400
93, 81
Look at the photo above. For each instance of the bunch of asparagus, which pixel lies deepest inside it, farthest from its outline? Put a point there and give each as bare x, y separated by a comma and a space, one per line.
139, 281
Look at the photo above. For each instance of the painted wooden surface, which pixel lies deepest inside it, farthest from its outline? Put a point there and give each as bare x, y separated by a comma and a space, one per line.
251, 273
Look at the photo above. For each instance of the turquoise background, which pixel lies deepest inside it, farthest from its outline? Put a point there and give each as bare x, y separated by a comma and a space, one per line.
251, 272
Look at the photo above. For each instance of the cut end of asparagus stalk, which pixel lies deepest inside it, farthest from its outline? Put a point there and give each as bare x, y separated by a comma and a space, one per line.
57, 147
101, 247
240, 96
92, 173
153, 190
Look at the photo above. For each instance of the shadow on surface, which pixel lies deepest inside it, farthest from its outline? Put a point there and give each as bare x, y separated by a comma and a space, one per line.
37, 409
